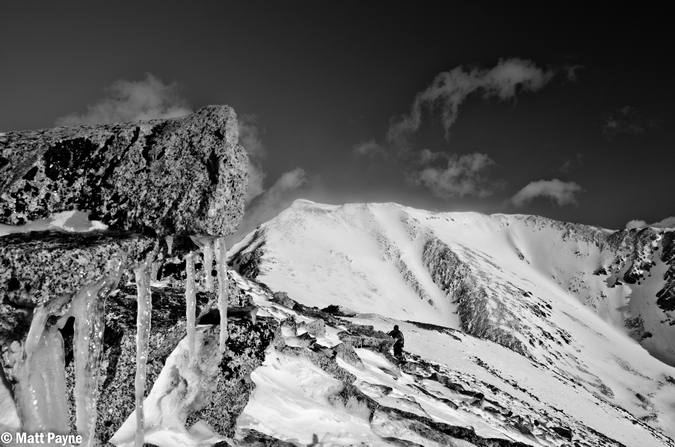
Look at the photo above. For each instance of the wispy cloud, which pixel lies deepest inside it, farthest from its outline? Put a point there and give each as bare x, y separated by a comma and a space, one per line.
449, 89
464, 175
563, 193
128, 101
368, 149
271, 202
571, 163
250, 137
450, 175
625, 120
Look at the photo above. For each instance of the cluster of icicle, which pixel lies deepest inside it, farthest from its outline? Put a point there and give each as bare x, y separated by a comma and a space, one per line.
208, 245
40, 391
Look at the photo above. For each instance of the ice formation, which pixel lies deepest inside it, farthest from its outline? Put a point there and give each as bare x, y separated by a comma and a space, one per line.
190, 303
88, 308
143, 321
169, 243
40, 391
221, 267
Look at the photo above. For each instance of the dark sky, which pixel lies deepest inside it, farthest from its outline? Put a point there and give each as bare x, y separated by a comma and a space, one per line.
591, 133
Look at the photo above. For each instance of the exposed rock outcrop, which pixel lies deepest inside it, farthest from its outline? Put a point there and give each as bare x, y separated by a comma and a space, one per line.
177, 176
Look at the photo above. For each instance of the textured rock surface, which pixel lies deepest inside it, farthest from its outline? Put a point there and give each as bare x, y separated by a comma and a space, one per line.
177, 176
40, 266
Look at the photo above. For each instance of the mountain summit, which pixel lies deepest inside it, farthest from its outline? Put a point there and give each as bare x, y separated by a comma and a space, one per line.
588, 308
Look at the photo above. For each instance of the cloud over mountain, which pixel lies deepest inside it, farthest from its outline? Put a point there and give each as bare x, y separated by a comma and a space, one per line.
465, 175
563, 193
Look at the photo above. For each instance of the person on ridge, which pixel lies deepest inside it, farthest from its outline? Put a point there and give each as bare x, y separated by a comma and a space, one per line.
398, 344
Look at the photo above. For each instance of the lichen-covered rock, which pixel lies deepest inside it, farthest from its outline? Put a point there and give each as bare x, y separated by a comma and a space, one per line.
283, 299
316, 328
176, 176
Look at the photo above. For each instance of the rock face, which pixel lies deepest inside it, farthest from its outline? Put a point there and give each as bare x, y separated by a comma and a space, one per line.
162, 177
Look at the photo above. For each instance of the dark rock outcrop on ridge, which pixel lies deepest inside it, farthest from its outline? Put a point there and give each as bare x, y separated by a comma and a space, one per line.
161, 177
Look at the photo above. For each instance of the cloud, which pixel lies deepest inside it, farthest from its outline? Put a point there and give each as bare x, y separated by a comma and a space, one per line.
447, 175
563, 193
250, 138
570, 164
464, 175
668, 222
635, 224
129, 101
368, 149
450, 88
625, 120
268, 204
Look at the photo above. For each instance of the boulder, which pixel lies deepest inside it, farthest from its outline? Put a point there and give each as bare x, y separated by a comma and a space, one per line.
316, 328
161, 177
283, 299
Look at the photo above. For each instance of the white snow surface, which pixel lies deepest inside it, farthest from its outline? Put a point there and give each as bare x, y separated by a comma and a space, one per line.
70, 221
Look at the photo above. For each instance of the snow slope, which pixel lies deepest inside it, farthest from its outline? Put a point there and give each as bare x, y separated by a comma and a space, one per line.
564, 299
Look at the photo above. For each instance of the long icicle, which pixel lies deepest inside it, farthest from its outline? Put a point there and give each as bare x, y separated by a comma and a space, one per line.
207, 249
40, 389
51, 365
190, 303
221, 251
143, 321
89, 312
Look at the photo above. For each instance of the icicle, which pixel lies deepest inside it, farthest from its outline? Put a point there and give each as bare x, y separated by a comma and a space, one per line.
143, 321
89, 312
169, 243
49, 362
190, 303
40, 390
222, 290
206, 244
37, 325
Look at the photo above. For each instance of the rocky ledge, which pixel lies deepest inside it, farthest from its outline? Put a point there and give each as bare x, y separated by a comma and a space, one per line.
161, 177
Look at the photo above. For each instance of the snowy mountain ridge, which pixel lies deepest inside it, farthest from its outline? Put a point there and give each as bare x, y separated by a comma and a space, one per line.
565, 297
